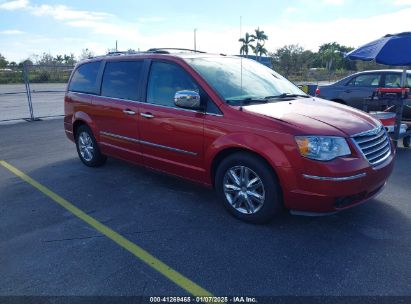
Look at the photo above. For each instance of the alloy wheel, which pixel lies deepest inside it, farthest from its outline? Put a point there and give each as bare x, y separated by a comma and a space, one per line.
85, 144
244, 189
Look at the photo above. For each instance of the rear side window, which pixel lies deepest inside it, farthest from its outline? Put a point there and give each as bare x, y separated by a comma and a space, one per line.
394, 80
121, 79
84, 79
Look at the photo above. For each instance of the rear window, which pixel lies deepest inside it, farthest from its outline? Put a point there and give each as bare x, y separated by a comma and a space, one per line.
121, 79
84, 79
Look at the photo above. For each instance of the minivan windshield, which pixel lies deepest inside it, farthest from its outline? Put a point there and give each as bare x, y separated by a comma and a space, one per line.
244, 80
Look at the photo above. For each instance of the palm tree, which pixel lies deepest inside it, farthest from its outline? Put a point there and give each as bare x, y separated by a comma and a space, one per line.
246, 44
59, 59
260, 37
261, 50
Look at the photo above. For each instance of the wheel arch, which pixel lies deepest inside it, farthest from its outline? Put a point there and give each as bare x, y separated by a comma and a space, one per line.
275, 154
81, 118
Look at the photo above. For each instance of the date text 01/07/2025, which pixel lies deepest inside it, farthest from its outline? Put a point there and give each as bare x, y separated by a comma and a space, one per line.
203, 299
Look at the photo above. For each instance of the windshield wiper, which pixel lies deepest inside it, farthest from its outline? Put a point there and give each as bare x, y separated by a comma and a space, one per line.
286, 95
248, 100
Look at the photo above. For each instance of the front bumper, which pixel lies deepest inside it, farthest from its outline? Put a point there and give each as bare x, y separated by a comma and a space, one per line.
353, 183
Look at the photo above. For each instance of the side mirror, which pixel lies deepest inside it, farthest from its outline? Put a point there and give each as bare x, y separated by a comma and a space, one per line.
187, 99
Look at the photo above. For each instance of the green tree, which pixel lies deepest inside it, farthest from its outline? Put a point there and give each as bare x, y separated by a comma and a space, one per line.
59, 59
331, 56
246, 41
260, 37
45, 59
260, 50
3, 61
25, 62
86, 54
292, 60
69, 59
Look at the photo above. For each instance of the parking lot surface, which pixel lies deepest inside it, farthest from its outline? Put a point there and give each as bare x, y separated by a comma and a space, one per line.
46, 250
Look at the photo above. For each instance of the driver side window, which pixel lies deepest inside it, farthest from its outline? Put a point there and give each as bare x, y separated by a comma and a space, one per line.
165, 80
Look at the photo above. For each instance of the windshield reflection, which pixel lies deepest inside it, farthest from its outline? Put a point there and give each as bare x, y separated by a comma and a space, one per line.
254, 83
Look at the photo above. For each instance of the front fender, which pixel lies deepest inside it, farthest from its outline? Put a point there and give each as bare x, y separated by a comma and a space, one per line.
271, 152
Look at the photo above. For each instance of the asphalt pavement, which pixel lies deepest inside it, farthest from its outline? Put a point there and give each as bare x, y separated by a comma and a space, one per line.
46, 250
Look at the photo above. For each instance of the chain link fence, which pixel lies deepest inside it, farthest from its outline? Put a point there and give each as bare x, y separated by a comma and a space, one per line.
32, 92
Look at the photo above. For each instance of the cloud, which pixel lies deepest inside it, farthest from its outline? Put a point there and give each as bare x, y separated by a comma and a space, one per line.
62, 12
348, 31
290, 10
153, 19
11, 32
96, 22
101, 30
402, 2
333, 2
14, 5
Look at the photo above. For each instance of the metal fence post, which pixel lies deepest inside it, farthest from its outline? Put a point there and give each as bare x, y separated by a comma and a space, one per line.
399, 105
28, 91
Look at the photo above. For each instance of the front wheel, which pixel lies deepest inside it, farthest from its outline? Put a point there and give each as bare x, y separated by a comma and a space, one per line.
87, 148
248, 188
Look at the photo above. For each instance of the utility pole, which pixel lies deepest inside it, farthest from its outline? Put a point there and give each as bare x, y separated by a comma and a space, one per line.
116, 46
195, 39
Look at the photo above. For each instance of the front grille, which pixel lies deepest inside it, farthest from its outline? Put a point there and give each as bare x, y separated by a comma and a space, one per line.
374, 145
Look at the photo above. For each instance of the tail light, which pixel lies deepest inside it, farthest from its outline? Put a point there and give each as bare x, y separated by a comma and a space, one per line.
317, 91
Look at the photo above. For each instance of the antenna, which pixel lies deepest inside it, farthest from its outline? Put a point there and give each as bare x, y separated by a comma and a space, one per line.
241, 64
195, 39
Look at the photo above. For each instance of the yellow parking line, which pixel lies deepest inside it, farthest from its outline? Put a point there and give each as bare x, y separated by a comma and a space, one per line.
139, 252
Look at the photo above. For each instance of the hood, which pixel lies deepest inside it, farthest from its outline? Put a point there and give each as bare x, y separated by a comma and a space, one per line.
317, 116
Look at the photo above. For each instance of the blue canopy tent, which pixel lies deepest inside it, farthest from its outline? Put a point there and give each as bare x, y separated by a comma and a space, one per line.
394, 50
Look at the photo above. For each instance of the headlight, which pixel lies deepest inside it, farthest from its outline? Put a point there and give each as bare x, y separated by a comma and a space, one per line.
322, 147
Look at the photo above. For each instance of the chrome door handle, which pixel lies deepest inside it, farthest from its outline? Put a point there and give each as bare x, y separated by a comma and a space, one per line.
129, 112
147, 115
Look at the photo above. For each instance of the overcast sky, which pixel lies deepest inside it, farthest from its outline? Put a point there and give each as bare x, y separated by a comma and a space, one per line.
33, 27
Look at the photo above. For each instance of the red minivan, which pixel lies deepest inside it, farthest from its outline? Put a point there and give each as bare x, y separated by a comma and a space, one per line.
228, 123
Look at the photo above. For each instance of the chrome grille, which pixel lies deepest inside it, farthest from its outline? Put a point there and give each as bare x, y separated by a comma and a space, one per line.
374, 145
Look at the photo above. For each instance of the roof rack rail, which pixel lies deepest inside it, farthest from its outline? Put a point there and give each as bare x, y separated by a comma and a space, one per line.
164, 50
116, 53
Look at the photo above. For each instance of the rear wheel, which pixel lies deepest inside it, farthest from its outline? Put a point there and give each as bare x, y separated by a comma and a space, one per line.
87, 148
248, 188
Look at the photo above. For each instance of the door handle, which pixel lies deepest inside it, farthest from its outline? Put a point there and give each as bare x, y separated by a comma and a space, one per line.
147, 115
129, 112
347, 91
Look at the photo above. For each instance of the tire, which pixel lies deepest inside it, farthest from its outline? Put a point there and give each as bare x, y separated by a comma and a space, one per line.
87, 148
406, 141
265, 201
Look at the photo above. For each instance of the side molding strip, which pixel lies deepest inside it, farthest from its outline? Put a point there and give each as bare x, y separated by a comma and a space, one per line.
147, 143
336, 179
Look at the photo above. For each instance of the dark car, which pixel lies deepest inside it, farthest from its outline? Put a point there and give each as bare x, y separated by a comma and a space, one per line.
352, 90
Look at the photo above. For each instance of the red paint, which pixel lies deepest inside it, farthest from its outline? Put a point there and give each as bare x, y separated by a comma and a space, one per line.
265, 129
